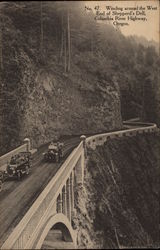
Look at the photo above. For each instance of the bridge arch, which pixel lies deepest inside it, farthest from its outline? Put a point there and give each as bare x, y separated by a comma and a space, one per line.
61, 222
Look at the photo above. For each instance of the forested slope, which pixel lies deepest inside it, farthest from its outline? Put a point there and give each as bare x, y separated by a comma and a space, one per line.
63, 73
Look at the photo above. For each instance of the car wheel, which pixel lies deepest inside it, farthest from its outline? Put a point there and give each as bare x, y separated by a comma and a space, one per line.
19, 175
59, 158
1, 184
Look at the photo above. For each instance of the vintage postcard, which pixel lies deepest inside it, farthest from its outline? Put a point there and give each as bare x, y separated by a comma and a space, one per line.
79, 124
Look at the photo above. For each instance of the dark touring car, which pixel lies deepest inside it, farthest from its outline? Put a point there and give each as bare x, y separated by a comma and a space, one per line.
18, 166
54, 152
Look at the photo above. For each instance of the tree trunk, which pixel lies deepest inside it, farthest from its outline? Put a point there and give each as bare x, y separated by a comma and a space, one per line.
69, 42
62, 38
65, 54
41, 35
1, 48
143, 103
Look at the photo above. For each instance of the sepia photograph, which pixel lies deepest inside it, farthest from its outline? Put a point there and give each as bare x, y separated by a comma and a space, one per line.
79, 124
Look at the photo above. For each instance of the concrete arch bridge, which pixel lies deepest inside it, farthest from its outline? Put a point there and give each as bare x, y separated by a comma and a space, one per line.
49, 221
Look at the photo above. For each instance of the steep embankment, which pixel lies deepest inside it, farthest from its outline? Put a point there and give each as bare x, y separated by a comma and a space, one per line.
38, 99
119, 205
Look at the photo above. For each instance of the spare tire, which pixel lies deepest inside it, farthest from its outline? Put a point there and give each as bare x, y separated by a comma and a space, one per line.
1, 175
9, 170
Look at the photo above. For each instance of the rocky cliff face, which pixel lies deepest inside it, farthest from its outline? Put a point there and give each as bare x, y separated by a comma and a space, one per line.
118, 206
38, 99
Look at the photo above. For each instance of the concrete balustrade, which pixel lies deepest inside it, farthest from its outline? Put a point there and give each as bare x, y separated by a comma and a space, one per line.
93, 141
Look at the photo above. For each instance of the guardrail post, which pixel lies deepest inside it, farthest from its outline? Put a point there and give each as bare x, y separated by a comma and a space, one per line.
27, 141
83, 138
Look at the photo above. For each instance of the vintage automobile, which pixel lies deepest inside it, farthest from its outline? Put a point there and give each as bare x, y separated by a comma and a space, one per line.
19, 165
54, 153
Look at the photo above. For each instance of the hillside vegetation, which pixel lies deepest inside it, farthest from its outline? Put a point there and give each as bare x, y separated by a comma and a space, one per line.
63, 73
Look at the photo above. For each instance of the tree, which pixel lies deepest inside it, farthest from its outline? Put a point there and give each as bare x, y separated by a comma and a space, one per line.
69, 42
62, 39
65, 52
1, 45
150, 56
41, 33
65, 48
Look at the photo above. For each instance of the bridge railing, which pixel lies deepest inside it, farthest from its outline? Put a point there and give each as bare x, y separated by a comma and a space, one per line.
29, 225
99, 139
138, 123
